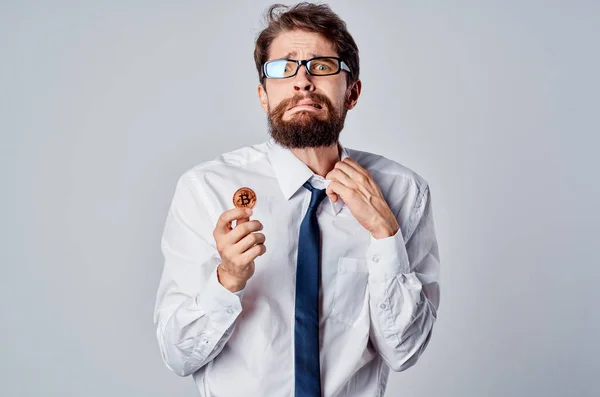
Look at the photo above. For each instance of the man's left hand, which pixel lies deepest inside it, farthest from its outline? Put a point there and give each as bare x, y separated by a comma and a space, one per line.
364, 199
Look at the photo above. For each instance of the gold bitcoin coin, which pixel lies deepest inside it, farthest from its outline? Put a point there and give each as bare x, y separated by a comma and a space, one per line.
244, 197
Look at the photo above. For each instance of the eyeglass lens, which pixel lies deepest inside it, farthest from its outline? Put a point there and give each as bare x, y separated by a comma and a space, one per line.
318, 67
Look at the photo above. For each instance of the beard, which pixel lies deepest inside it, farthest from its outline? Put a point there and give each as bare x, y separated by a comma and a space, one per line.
305, 129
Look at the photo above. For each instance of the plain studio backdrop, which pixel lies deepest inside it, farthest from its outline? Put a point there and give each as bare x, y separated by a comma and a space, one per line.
104, 104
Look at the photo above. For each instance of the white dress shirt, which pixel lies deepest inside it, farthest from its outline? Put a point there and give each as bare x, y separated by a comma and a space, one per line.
378, 297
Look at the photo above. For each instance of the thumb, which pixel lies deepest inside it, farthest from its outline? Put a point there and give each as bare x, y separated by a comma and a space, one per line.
242, 220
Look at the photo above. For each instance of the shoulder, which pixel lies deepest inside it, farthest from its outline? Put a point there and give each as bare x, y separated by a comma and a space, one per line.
229, 163
386, 170
405, 190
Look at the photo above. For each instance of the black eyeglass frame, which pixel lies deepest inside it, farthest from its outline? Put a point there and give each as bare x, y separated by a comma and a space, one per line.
341, 66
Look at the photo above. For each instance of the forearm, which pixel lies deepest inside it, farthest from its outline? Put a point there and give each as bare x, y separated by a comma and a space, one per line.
192, 330
402, 319
404, 288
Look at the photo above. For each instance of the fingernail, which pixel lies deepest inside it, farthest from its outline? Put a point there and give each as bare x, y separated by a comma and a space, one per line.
249, 211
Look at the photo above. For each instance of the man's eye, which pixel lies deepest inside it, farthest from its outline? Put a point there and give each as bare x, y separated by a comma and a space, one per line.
322, 67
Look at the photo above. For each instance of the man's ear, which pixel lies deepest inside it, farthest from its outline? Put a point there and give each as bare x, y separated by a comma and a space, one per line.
352, 94
263, 98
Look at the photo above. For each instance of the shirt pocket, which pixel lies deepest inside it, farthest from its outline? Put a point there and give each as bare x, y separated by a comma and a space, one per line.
350, 290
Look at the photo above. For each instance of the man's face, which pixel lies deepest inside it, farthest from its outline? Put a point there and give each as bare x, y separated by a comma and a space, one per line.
292, 121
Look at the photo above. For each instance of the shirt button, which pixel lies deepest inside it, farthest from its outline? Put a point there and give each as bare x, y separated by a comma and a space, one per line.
383, 306
230, 310
375, 258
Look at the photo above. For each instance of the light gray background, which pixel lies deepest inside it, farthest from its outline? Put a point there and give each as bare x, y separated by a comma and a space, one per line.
105, 103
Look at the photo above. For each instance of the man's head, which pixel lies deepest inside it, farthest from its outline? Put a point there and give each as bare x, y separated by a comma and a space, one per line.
306, 109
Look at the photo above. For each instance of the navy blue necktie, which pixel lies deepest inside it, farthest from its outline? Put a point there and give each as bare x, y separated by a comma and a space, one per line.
306, 332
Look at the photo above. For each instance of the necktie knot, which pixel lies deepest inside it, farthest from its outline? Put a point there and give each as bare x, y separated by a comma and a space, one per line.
317, 195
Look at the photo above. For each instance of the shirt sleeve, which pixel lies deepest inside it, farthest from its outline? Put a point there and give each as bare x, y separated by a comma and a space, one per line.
404, 288
194, 314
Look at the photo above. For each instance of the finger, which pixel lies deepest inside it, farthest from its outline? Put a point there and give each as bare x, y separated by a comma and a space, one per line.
352, 163
249, 241
241, 231
354, 170
349, 169
253, 253
241, 220
224, 222
362, 180
333, 197
339, 175
339, 189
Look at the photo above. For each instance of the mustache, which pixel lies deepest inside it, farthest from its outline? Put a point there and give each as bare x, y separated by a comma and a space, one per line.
315, 97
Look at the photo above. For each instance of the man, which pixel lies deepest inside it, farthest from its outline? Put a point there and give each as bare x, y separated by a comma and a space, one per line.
348, 287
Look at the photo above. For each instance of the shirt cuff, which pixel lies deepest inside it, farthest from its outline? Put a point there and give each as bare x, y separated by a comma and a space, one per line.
387, 257
221, 305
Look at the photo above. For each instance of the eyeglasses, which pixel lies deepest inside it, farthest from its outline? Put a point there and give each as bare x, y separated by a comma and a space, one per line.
318, 66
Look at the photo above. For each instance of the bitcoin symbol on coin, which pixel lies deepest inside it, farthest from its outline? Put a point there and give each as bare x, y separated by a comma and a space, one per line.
244, 198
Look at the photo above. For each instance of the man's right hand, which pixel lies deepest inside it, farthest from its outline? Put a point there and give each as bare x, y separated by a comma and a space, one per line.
238, 247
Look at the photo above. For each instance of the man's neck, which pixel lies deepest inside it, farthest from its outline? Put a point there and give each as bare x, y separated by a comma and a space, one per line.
320, 160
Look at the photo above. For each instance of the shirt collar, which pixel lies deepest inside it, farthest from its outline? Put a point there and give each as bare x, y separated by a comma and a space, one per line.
291, 172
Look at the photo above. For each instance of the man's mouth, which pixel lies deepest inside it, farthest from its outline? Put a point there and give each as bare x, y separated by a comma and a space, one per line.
315, 105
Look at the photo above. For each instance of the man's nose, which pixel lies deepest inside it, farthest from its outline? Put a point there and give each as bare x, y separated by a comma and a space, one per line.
302, 80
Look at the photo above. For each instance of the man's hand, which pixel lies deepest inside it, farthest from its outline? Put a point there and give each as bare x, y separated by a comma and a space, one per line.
363, 197
238, 247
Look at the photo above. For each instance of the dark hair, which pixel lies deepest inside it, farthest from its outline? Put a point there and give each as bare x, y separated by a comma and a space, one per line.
317, 18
